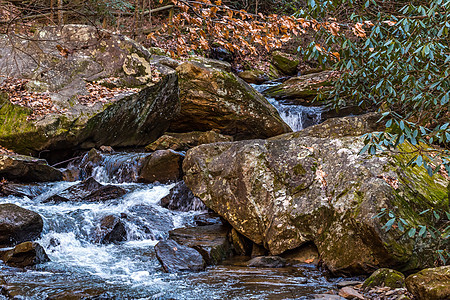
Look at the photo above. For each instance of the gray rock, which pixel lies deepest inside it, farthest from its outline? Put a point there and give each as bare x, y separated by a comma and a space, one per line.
175, 257
18, 225
267, 262
211, 241
295, 189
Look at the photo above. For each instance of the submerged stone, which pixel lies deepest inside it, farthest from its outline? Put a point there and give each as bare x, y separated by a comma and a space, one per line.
267, 262
175, 257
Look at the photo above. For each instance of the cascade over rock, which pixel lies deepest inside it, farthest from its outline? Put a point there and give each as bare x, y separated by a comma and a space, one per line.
297, 189
212, 98
132, 118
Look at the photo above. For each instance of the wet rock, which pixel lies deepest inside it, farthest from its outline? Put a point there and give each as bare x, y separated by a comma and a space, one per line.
210, 241
26, 168
284, 62
26, 254
150, 222
110, 230
385, 278
162, 166
84, 294
20, 190
18, 225
175, 257
207, 219
133, 118
350, 293
267, 262
295, 189
89, 190
104, 193
71, 174
430, 284
181, 198
254, 76
187, 140
215, 99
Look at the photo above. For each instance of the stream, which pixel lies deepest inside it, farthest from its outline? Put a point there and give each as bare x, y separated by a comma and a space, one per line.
298, 117
129, 269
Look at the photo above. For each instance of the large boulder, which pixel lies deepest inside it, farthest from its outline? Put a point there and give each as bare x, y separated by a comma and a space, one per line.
95, 88
212, 98
289, 191
27, 169
18, 225
430, 284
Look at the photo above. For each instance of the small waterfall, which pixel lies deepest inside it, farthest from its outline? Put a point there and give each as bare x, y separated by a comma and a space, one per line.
117, 167
298, 117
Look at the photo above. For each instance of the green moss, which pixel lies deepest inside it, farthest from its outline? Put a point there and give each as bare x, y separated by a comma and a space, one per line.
299, 170
385, 278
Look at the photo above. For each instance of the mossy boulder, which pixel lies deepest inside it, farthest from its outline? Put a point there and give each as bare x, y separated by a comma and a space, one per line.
132, 117
430, 284
385, 278
283, 193
284, 62
212, 98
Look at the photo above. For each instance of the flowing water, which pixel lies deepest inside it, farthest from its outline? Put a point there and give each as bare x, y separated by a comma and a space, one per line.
130, 270
298, 117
